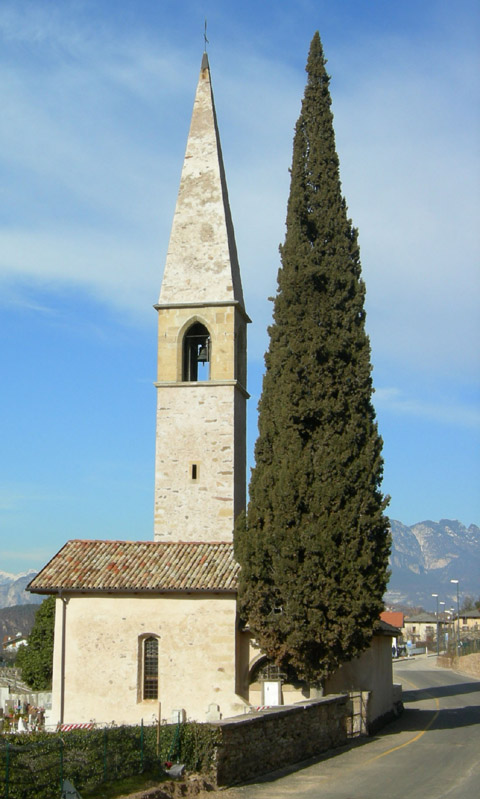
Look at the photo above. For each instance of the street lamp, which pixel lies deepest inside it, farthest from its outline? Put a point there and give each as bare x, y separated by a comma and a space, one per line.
438, 642
442, 627
451, 627
455, 582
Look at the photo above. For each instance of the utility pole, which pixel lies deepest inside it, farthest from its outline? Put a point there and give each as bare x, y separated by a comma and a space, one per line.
438, 640
442, 625
455, 582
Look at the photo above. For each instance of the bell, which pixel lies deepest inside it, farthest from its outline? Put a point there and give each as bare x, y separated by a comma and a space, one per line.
203, 354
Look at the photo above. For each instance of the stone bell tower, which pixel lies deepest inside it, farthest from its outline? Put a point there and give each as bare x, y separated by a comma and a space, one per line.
200, 463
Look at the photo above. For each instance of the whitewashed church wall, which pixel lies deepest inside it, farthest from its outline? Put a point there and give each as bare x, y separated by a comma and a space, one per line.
196, 639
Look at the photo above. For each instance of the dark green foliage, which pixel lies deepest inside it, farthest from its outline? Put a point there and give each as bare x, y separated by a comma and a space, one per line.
314, 544
469, 603
36, 659
35, 765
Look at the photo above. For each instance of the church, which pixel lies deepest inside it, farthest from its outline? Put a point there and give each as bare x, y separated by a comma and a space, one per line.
150, 626
148, 629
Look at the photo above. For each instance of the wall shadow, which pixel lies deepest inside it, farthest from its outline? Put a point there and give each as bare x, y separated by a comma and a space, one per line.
416, 720
419, 694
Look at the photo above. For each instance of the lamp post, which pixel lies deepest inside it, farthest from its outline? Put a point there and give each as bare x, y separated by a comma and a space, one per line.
443, 624
455, 582
438, 642
448, 637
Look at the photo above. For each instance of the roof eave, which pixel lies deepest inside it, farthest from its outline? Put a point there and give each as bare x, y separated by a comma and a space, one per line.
127, 590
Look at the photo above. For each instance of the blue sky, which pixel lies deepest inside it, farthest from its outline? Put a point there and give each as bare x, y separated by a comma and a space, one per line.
96, 100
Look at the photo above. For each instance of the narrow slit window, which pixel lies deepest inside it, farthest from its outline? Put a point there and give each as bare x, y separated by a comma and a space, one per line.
194, 471
150, 668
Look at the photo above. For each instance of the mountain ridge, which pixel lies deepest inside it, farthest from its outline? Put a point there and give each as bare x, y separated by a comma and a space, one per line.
17, 619
425, 557
12, 589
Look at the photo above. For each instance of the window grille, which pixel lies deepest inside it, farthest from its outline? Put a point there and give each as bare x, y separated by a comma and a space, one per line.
265, 670
150, 668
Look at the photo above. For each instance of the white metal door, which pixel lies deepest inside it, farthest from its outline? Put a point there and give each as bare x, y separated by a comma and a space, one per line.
272, 692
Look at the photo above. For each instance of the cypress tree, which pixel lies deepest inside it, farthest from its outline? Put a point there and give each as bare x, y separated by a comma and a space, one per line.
314, 544
36, 659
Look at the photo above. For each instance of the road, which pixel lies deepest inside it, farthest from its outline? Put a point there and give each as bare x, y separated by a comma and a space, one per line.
431, 752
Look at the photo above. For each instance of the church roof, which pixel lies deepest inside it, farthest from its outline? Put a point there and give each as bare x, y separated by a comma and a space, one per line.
202, 262
91, 566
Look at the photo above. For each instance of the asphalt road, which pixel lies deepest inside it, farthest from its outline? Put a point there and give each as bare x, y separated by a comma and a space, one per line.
431, 752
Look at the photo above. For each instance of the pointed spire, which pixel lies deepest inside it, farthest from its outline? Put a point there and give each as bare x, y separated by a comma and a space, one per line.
202, 262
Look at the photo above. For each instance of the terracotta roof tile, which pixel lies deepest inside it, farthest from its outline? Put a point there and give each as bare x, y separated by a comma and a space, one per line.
138, 566
393, 617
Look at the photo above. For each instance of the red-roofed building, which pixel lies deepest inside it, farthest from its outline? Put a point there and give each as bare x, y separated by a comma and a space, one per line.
12, 643
393, 617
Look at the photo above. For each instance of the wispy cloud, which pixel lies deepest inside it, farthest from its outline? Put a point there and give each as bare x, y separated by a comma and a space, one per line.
96, 100
400, 402
112, 267
18, 297
94, 139
408, 137
92, 135
14, 496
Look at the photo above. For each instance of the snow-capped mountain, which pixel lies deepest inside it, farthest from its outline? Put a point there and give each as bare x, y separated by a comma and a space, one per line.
425, 557
12, 589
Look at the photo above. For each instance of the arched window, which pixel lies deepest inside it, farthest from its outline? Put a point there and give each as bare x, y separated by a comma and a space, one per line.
264, 669
271, 679
150, 668
196, 353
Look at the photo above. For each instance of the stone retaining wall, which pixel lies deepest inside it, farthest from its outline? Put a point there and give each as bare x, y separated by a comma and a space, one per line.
467, 664
10, 672
262, 742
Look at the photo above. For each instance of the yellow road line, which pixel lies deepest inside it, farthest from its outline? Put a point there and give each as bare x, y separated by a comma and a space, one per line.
416, 737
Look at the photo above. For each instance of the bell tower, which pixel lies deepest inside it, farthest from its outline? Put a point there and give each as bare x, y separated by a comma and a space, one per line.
200, 460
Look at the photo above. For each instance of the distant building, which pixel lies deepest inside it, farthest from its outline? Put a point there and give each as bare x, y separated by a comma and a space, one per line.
393, 617
470, 621
14, 642
420, 627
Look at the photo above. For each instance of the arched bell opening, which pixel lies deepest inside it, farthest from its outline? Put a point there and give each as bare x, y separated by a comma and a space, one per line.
196, 354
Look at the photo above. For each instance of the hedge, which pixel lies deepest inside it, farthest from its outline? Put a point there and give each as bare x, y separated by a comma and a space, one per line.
36, 764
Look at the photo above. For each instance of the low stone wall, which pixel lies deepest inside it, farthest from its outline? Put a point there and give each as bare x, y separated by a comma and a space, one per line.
446, 661
467, 664
261, 742
12, 673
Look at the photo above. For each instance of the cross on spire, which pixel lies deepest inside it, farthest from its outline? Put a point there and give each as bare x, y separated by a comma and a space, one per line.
205, 37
